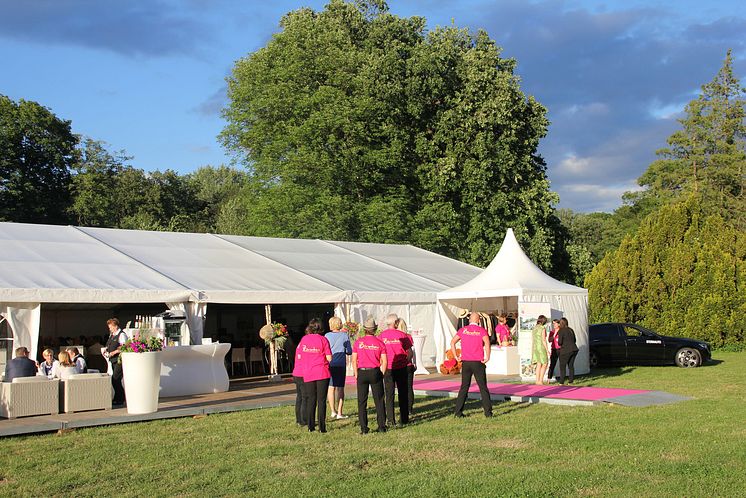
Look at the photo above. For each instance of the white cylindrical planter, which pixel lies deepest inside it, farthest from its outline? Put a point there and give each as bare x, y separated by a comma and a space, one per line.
142, 379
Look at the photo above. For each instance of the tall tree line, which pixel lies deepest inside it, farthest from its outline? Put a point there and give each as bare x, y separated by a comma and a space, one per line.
357, 124
680, 266
48, 174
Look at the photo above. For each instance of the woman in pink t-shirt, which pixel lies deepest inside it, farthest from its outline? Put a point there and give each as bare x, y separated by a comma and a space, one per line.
315, 353
411, 365
502, 331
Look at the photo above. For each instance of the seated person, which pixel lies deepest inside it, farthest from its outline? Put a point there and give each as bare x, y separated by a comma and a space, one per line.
77, 360
45, 368
20, 366
65, 367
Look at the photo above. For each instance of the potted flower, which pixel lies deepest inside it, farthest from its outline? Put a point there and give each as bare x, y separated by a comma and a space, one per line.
141, 367
352, 329
279, 335
275, 336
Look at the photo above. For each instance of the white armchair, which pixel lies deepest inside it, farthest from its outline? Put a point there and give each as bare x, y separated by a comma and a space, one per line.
27, 396
88, 391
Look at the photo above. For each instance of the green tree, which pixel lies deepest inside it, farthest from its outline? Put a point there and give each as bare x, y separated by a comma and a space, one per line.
212, 188
682, 273
357, 124
37, 150
96, 194
708, 155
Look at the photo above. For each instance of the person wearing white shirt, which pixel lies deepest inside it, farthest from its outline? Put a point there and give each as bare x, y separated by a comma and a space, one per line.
78, 361
113, 348
46, 366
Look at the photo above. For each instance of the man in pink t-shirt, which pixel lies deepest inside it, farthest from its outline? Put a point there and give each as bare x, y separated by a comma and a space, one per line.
475, 353
399, 352
369, 361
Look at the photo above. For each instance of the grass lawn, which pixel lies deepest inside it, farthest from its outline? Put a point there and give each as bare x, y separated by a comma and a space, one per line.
691, 448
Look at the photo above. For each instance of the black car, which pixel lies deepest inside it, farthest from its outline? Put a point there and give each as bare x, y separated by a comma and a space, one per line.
627, 343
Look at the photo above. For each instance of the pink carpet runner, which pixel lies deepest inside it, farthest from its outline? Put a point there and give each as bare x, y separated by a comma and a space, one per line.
525, 390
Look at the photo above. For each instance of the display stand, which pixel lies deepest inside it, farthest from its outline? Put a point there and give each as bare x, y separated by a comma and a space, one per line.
189, 370
504, 360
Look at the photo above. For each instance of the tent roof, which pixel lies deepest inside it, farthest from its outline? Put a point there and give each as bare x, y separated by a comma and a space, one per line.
46, 263
42, 263
511, 273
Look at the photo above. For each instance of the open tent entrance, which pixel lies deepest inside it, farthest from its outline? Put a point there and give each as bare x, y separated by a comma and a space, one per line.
509, 280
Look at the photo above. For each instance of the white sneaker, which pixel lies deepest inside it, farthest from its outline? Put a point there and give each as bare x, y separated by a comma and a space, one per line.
334, 415
341, 417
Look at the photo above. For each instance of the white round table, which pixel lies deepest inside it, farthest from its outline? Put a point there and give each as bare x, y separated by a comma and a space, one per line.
419, 343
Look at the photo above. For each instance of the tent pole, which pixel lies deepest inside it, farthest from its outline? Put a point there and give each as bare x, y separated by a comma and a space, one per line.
268, 313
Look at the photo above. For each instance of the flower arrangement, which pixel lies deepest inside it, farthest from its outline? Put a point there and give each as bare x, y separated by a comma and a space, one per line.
142, 345
352, 329
279, 335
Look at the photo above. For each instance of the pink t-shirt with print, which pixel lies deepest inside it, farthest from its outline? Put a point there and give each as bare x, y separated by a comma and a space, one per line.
312, 351
472, 342
369, 349
397, 344
503, 332
298, 365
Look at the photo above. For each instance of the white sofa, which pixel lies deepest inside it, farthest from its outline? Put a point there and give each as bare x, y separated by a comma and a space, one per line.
27, 396
88, 391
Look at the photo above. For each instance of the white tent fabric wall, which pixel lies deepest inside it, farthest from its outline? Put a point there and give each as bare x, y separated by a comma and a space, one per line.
195, 318
417, 315
23, 320
513, 276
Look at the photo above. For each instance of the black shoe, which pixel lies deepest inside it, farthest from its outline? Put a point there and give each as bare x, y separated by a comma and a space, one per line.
459, 415
364, 431
381, 429
311, 430
488, 415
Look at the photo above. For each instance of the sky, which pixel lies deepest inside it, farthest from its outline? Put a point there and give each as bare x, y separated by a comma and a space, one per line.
148, 76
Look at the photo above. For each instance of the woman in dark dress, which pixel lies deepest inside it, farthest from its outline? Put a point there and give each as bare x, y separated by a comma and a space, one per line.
568, 350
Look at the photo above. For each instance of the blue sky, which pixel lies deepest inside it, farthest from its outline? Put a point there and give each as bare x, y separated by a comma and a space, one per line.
148, 76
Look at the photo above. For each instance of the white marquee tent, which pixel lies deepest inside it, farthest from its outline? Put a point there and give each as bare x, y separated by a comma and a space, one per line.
44, 264
512, 278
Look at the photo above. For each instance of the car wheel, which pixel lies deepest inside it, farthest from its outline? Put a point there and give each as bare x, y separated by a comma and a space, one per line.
688, 357
593, 359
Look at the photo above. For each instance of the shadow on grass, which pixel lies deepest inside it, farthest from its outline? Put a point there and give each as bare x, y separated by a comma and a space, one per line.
427, 409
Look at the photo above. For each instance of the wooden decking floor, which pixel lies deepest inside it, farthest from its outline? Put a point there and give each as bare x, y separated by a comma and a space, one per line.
244, 394
254, 393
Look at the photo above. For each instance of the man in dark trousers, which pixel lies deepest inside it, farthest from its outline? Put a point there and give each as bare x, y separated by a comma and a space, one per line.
475, 353
20, 366
117, 337
399, 354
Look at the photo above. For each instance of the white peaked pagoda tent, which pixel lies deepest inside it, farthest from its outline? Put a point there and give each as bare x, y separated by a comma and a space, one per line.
510, 279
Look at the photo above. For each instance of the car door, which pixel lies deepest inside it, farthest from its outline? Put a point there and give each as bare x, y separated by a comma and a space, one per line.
606, 341
643, 346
